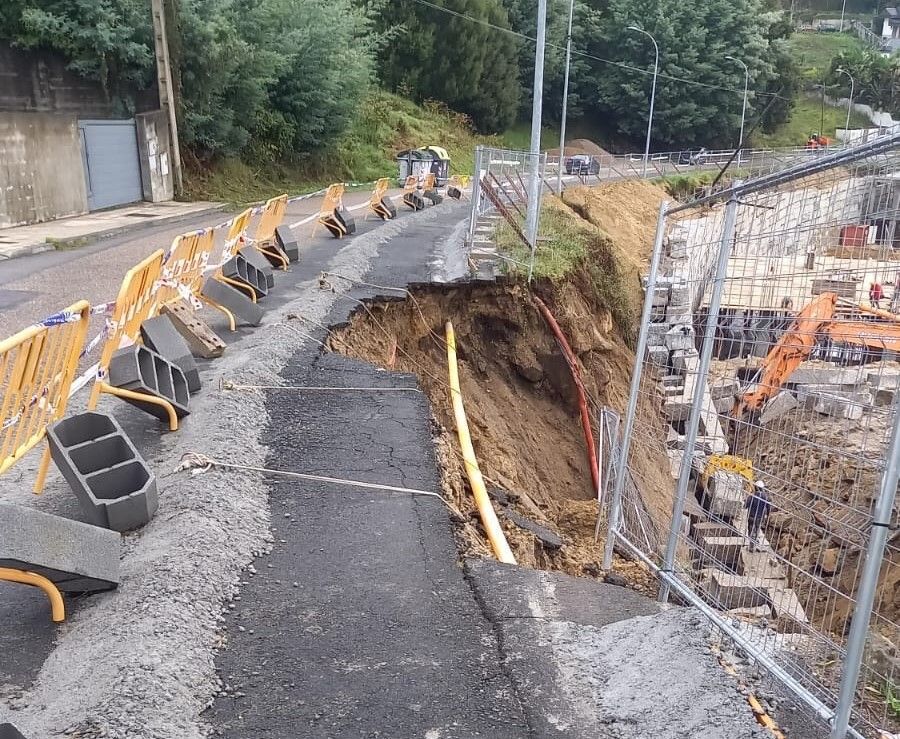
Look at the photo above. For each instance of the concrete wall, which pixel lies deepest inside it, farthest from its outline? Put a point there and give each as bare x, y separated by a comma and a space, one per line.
156, 157
41, 170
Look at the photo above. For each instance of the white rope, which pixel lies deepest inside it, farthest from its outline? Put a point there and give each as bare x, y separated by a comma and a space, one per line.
200, 463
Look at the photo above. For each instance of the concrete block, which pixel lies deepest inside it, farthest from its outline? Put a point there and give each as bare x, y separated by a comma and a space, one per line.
342, 216
849, 406
201, 339
240, 270
677, 409
712, 444
884, 380
723, 552
160, 335
287, 242
658, 356
77, 557
724, 389
808, 395
680, 337
112, 482
825, 376
660, 296
787, 609
414, 200
434, 196
261, 262
777, 407
725, 491
234, 300
8, 731
671, 381
723, 405
142, 370
656, 333
680, 295
685, 361
729, 591
711, 528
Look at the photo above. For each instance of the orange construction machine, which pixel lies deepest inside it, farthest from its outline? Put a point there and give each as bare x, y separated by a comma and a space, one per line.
816, 322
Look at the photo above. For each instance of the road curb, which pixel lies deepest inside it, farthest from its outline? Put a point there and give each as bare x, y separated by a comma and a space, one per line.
92, 238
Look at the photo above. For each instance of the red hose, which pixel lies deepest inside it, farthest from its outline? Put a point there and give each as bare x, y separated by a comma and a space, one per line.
576, 377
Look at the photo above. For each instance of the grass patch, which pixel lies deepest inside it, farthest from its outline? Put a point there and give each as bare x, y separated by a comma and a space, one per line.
806, 119
814, 51
68, 244
570, 247
386, 125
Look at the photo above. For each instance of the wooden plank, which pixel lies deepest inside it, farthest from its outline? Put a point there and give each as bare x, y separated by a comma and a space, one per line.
201, 339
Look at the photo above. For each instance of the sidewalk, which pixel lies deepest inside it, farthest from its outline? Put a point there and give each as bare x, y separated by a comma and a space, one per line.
82, 230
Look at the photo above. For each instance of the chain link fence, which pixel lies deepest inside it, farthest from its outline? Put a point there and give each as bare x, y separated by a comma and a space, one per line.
759, 459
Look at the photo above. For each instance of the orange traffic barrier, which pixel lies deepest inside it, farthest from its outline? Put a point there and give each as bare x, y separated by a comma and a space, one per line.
37, 367
182, 272
376, 205
332, 202
137, 301
271, 218
430, 182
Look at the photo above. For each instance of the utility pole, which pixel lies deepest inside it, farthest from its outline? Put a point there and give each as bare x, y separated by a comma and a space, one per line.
534, 184
164, 84
565, 101
652, 94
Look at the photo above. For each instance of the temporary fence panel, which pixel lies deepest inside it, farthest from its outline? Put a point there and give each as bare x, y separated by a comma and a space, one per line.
271, 218
37, 366
758, 466
137, 301
234, 240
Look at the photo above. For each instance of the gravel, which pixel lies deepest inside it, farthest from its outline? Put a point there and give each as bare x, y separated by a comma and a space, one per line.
140, 661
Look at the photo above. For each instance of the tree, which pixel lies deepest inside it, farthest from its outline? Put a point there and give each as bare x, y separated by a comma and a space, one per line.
460, 61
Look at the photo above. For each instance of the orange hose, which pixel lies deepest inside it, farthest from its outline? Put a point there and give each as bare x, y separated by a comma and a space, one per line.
582, 395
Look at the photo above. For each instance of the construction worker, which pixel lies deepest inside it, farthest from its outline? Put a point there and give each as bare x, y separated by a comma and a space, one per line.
758, 506
876, 293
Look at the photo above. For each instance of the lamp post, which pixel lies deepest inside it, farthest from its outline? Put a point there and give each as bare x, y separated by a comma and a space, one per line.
849, 102
652, 94
744, 109
532, 214
565, 101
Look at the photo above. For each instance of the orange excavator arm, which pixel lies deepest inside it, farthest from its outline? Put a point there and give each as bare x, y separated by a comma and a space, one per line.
791, 350
869, 334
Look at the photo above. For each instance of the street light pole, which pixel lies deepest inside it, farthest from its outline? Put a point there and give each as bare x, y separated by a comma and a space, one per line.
565, 101
652, 94
843, 8
534, 184
744, 109
849, 102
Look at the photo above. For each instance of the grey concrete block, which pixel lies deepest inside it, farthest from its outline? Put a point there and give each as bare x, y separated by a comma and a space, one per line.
112, 482
287, 242
235, 300
142, 370
677, 409
884, 380
724, 389
239, 269
726, 493
825, 376
434, 196
347, 221
849, 406
660, 296
721, 551
808, 395
658, 356
261, 262
685, 361
656, 332
414, 200
160, 335
680, 337
777, 407
8, 731
77, 557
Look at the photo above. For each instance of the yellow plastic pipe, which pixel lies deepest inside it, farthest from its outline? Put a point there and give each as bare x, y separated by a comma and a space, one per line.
482, 501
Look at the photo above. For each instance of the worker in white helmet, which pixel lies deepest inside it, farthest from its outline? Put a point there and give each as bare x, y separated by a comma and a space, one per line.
758, 506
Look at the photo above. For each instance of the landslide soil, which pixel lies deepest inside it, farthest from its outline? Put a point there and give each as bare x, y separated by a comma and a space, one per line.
520, 401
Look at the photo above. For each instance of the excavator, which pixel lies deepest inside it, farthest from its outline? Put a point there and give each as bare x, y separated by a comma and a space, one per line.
816, 322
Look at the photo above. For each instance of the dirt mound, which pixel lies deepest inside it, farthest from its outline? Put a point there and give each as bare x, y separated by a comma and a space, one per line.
574, 147
625, 211
520, 400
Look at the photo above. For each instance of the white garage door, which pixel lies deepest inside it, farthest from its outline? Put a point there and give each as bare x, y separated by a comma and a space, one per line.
111, 164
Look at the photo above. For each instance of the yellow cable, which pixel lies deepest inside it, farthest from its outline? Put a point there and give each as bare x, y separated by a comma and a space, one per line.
482, 501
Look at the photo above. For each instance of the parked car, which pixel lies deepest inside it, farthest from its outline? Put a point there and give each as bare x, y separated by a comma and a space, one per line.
582, 164
699, 156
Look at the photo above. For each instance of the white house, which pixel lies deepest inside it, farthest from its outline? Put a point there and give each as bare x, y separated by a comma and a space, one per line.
890, 29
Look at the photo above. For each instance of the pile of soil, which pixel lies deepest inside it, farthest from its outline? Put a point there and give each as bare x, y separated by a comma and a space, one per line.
624, 211
576, 147
521, 405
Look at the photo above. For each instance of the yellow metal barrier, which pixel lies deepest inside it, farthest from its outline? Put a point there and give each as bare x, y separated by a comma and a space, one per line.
460, 181
137, 301
37, 367
375, 204
57, 607
476, 481
182, 272
237, 232
333, 200
412, 182
271, 218
430, 181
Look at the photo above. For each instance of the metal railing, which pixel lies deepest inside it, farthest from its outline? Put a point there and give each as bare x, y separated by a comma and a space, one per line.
751, 369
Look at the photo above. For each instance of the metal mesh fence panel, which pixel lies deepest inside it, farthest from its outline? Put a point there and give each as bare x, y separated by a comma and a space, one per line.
758, 444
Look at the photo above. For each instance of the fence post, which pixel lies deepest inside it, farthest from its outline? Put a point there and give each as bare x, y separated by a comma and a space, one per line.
693, 423
865, 596
476, 193
615, 506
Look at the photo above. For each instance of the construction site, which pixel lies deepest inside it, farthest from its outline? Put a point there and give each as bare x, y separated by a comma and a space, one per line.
421, 477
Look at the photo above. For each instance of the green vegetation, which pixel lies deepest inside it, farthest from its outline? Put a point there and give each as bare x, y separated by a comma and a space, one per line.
805, 119
519, 137
385, 125
815, 51
682, 186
